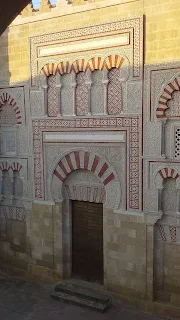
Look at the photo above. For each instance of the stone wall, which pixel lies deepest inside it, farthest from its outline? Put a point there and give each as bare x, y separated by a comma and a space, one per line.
118, 145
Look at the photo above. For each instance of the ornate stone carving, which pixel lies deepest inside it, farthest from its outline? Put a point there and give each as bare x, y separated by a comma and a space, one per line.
81, 94
166, 95
86, 193
14, 213
6, 103
133, 26
114, 92
173, 106
97, 165
129, 123
52, 97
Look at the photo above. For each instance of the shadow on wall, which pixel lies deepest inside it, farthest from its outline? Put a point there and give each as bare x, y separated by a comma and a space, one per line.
13, 235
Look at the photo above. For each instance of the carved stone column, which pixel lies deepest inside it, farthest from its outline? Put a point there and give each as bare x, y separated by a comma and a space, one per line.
105, 83
45, 88
73, 85
163, 151
178, 201
151, 220
2, 186
89, 84
160, 204
13, 179
58, 86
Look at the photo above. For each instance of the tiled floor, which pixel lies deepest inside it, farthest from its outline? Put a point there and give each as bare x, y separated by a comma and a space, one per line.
20, 300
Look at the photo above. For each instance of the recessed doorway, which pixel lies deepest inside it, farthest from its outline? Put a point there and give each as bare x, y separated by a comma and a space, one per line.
87, 241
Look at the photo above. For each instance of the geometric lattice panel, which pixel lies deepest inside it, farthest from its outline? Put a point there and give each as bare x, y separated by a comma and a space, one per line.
81, 94
114, 92
52, 97
8, 115
177, 143
173, 105
97, 92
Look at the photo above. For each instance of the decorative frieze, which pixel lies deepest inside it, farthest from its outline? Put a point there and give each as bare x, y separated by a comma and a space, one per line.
12, 212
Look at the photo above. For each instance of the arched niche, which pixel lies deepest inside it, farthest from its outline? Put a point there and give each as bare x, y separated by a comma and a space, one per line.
97, 165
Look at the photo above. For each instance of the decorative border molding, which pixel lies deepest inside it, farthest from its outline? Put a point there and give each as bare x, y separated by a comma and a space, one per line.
169, 234
12, 212
86, 193
127, 123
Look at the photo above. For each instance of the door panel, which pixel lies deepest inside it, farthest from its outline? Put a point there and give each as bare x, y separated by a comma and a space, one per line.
87, 241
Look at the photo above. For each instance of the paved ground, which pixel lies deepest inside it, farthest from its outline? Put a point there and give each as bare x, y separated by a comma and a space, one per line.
20, 300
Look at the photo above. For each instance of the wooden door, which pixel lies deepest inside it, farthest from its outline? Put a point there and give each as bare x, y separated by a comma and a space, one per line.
87, 241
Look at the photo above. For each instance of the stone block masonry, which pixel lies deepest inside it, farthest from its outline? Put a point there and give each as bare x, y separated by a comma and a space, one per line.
89, 112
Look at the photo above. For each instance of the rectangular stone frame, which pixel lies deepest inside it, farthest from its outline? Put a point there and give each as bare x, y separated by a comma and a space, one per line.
130, 124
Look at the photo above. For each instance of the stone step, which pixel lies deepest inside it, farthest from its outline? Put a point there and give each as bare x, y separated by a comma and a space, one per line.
83, 292
80, 301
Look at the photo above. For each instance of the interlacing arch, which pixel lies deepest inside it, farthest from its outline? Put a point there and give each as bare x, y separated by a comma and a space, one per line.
64, 67
113, 61
49, 69
165, 96
79, 65
95, 63
6, 98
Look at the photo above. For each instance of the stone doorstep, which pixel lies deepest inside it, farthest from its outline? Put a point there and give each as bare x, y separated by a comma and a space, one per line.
82, 295
84, 292
79, 301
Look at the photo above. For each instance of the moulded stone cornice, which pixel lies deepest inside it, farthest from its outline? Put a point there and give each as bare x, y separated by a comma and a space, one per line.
63, 7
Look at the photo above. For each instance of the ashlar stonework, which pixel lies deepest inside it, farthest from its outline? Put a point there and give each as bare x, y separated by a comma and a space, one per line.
96, 128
